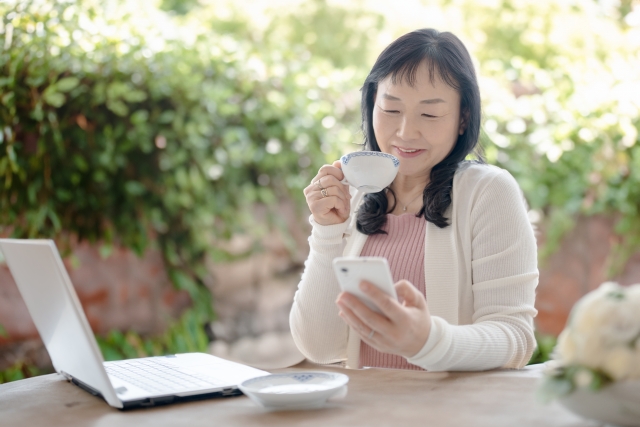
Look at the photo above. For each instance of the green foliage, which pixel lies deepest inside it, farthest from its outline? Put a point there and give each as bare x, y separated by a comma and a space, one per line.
559, 109
121, 134
545, 346
131, 126
562, 380
180, 7
186, 335
20, 370
323, 31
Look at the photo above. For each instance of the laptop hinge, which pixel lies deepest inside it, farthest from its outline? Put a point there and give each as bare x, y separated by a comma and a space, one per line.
230, 392
66, 376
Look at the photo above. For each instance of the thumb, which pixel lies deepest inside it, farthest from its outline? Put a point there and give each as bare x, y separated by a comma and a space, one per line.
409, 294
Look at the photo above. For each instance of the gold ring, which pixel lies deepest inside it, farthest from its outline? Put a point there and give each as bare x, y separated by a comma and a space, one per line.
319, 184
371, 334
324, 193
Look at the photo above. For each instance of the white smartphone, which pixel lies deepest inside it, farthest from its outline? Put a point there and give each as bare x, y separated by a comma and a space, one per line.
350, 271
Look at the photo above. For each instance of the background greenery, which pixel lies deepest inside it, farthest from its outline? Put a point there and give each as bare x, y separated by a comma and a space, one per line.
165, 124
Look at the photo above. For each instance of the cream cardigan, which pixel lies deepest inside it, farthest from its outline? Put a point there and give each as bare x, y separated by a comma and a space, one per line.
480, 275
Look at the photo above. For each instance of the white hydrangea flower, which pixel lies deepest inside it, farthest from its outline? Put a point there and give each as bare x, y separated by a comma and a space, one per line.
583, 378
603, 332
618, 363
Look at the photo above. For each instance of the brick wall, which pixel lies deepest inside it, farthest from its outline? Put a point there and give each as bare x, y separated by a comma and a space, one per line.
579, 266
122, 291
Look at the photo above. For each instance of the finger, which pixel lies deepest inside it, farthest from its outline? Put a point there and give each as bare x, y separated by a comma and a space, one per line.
331, 170
377, 341
328, 205
327, 181
389, 306
409, 294
331, 181
338, 164
328, 192
354, 322
370, 318
329, 202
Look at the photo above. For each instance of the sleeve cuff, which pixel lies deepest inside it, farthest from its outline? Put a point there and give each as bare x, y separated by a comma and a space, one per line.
327, 234
436, 346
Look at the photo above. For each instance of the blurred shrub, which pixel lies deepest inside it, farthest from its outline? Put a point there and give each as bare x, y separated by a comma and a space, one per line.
123, 125
184, 336
560, 83
20, 371
544, 348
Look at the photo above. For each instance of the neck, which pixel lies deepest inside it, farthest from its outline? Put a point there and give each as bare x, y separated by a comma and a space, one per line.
406, 187
408, 192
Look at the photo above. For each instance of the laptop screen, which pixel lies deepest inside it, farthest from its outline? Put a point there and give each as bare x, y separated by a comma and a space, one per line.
55, 309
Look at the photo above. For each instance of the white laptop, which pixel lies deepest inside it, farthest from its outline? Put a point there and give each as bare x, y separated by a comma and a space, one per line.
56, 311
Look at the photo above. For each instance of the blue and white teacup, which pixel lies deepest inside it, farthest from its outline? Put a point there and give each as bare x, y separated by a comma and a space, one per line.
369, 171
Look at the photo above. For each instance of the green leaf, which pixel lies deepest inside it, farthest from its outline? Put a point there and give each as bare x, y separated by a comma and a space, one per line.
134, 96
15, 374
66, 84
117, 89
54, 99
7, 98
118, 107
11, 154
105, 250
184, 282
55, 221
63, 194
134, 188
139, 117
167, 116
553, 388
80, 163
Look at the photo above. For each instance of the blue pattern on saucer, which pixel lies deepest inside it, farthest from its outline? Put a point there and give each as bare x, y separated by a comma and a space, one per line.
298, 377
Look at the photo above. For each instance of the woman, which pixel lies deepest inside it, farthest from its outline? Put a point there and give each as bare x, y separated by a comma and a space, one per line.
463, 255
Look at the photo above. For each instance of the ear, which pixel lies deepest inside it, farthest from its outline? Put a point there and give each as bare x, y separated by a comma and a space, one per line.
464, 121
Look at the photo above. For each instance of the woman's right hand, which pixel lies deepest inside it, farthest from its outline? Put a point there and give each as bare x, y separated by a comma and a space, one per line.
328, 198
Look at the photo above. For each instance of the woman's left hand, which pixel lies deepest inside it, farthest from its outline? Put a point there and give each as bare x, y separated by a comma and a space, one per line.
402, 328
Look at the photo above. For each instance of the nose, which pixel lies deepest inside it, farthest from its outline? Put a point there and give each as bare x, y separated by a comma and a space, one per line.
408, 129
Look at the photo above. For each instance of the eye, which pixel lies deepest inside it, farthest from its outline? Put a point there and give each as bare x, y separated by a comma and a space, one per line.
384, 110
429, 116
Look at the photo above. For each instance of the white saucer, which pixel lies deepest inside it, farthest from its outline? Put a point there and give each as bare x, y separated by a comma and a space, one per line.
295, 390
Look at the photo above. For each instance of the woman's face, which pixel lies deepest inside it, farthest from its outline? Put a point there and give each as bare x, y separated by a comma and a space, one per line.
420, 124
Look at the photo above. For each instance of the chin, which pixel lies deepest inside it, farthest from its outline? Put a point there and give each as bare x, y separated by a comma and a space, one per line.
413, 172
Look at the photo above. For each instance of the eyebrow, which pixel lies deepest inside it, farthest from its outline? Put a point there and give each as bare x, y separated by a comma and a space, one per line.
424, 101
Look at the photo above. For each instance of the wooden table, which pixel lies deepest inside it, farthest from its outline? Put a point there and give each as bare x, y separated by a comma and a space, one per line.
377, 397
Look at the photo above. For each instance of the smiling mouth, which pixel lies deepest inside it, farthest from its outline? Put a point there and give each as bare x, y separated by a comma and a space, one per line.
408, 151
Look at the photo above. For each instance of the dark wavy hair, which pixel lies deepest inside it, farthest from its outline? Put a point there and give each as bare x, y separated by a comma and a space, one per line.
447, 57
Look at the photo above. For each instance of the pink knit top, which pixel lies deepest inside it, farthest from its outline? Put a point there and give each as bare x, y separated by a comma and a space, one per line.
403, 247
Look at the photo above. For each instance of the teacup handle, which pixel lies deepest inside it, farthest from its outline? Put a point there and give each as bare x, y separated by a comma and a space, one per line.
354, 204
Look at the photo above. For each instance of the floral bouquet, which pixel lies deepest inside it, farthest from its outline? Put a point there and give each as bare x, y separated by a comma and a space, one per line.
596, 366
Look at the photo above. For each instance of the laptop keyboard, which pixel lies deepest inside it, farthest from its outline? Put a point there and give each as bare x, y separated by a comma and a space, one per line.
156, 377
